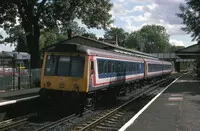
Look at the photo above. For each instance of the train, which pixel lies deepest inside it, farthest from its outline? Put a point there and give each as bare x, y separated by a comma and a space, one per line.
79, 72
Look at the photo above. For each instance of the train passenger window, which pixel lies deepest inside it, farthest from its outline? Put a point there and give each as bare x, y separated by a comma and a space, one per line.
104, 67
100, 66
77, 66
118, 67
134, 67
113, 66
63, 66
122, 67
109, 67
130, 67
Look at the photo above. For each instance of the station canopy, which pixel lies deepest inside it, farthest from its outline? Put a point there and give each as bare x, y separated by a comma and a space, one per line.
16, 55
190, 52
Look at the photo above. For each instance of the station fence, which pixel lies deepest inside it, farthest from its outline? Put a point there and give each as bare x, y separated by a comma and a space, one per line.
26, 79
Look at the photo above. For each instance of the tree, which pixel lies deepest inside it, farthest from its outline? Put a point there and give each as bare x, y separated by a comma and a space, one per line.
90, 35
174, 48
121, 35
35, 15
55, 35
150, 39
135, 41
190, 13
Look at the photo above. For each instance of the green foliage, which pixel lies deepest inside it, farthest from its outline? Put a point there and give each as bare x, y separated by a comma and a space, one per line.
150, 39
121, 35
35, 15
55, 35
90, 35
175, 48
21, 45
190, 13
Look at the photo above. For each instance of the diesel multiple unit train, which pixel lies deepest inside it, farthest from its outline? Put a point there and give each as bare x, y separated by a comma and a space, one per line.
74, 70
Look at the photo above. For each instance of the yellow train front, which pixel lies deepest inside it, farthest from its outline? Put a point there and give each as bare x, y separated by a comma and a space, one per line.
64, 73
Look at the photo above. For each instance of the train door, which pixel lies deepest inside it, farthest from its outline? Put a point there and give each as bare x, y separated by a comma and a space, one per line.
91, 73
145, 69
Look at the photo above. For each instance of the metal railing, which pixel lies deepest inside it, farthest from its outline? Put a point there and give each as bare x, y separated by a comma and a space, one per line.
26, 79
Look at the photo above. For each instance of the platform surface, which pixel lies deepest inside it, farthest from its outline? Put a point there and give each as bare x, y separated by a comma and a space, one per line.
11, 97
176, 109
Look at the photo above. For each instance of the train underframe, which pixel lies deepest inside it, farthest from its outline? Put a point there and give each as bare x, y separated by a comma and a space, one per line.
81, 100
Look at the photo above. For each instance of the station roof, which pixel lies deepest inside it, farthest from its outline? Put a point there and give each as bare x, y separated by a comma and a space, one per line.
192, 51
16, 55
103, 45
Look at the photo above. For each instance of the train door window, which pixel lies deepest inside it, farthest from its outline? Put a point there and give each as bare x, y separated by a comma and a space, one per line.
92, 67
100, 66
63, 66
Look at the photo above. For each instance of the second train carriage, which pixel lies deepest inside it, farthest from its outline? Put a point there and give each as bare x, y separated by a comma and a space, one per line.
73, 69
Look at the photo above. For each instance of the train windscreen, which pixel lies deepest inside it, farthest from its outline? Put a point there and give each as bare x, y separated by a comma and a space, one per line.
69, 66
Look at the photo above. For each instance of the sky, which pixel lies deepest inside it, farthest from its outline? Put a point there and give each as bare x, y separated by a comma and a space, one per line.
132, 15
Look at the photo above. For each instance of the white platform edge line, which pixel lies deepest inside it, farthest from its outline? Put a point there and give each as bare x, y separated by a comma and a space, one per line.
123, 128
18, 100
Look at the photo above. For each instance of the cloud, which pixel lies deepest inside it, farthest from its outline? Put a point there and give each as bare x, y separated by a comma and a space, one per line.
159, 12
176, 42
119, 10
6, 47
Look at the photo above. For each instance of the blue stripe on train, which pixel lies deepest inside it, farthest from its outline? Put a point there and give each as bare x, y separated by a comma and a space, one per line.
139, 67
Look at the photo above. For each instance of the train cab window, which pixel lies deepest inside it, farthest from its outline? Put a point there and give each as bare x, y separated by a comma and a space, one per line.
63, 66
51, 63
77, 66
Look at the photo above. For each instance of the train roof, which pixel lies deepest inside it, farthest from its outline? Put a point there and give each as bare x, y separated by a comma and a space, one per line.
104, 46
77, 48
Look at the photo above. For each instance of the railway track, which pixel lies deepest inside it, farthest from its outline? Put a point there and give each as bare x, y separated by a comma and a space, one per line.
92, 120
110, 120
12, 123
103, 120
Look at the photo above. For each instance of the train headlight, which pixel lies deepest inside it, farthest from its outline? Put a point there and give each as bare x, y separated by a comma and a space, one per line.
48, 83
76, 86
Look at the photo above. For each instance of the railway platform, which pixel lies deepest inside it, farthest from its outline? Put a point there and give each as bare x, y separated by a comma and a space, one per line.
177, 108
11, 97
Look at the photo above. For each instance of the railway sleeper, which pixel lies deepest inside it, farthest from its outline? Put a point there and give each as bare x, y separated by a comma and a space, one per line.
107, 124
107, 128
